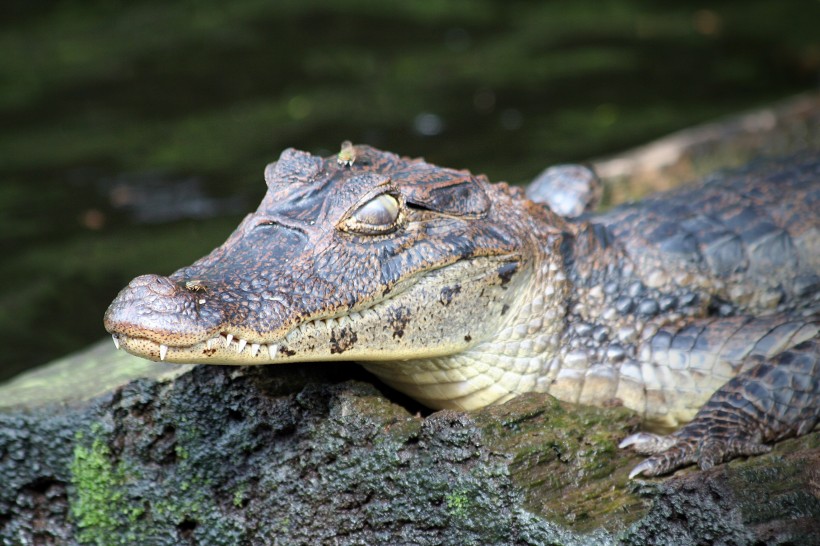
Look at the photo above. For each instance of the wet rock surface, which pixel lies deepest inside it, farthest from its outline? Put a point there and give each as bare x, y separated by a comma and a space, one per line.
305, 455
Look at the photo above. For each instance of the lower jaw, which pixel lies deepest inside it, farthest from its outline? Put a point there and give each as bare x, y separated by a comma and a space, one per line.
221, 349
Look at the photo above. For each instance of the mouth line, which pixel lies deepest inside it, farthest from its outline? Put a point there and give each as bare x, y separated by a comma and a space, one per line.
211, 345
226, 341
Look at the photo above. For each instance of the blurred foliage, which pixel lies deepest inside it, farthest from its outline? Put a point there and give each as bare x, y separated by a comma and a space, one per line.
93, 89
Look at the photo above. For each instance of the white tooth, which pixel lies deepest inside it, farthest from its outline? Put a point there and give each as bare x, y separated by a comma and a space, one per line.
330, 323
254, 349
228, 340
116, 341
163, 350
241, 345
272, 350
209, 344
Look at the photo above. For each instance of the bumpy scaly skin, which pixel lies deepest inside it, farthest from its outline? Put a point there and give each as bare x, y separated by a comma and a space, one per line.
700, 303
569, 190
775, 399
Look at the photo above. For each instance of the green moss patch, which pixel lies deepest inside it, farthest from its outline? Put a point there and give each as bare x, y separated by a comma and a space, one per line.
565, 459
99, 505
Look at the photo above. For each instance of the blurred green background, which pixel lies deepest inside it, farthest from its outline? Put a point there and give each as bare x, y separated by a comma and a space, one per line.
134, 134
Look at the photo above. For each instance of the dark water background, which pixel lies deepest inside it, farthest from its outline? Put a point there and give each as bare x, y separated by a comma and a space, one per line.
133, 134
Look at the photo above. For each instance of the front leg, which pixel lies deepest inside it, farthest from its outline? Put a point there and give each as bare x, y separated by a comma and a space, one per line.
774, 399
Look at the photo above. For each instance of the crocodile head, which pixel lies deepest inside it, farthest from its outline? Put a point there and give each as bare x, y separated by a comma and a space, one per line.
363, 256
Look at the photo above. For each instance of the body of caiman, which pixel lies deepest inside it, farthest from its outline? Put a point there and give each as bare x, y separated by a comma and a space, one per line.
697, 306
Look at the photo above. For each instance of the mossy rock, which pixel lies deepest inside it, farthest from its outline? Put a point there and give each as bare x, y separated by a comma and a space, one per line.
101, 448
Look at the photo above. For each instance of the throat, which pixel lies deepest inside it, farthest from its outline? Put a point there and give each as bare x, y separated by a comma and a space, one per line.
514, 358
468, 380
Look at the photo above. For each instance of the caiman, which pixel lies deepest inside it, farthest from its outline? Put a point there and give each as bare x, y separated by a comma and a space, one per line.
697, 307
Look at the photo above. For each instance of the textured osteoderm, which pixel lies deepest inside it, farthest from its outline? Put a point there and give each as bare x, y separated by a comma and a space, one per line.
365, 256
463, 293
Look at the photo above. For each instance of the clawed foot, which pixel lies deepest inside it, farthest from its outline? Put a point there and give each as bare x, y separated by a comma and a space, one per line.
772, 400
687, 446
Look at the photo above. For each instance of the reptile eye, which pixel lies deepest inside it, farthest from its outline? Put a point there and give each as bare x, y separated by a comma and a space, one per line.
381, 211
380, 215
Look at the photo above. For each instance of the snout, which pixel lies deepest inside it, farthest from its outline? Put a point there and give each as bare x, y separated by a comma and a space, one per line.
163, 310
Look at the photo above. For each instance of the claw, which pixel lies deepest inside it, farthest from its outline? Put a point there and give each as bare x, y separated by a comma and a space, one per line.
643, 466
647, 443
637, 438
668, 453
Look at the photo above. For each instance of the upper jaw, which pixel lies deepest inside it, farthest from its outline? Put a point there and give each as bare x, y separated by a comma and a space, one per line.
179, 336
154, 318
361, 333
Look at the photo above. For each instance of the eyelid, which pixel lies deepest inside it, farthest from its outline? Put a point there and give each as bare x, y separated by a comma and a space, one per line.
350, 223
383, 205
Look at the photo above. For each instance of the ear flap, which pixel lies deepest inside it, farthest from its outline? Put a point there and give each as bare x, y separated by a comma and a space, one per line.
443, 190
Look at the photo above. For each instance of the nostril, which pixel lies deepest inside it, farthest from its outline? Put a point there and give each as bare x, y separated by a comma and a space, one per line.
157, 284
